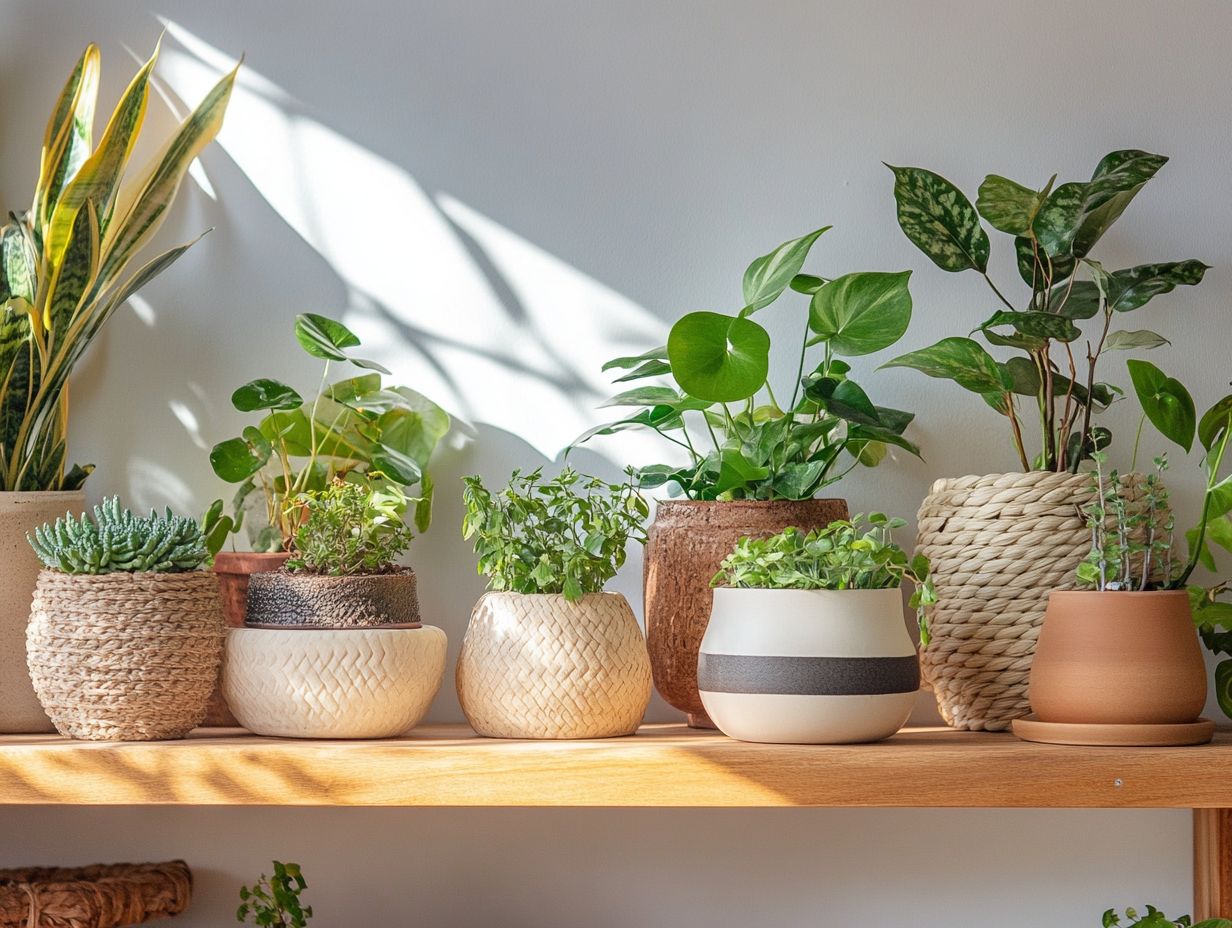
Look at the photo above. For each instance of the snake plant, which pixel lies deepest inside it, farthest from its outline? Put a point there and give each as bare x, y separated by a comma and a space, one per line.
64, 263
116, 540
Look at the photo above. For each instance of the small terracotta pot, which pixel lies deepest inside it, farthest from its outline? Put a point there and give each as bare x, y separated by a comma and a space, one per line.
687, 541
1118, 658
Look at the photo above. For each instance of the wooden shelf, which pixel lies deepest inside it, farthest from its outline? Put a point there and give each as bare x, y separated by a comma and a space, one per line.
664, 766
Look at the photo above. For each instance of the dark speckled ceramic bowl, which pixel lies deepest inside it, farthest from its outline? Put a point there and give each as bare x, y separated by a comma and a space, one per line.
282, 599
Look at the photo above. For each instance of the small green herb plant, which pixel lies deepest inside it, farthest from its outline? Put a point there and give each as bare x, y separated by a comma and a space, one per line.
353, 426
114, 539
718, 408
1054, 229
353, 526
1157, 919
565, 535
1130, 548
274, 901
855, 554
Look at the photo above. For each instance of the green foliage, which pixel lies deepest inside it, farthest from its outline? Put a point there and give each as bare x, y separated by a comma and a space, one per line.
1130, 549
721, 412
353, 526
275, 901
565, 535
1054, 229
1157, 919
116, 540
354, 426
845, 555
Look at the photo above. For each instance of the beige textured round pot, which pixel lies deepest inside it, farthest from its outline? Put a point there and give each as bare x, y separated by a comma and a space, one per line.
998, 545
125, 656
332, 683
1118, 658
539, 666
686, 543
21, 513
233, 569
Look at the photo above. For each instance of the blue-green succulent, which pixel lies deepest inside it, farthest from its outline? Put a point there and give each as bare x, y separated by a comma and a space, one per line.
116, 540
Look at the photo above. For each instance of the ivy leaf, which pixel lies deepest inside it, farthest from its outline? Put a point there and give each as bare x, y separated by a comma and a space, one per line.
939, 220
770, 275
1165, 401
1009, 206
1125, 340
961, 360
719, 358
860, 313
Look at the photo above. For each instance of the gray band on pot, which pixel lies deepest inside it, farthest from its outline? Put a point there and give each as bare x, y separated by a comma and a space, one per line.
807, 676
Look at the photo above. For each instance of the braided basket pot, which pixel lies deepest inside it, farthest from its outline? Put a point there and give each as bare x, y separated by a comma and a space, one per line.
998, 545
125, 657
100, 896
539, 666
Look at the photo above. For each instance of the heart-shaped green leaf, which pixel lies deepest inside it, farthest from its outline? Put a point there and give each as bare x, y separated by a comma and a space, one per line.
1165, 401
719, 358
265, 394
1213, 423
769, 275
1009, 206
237, 459
842, 398
863, 312
942, 223
961, 360
323, 337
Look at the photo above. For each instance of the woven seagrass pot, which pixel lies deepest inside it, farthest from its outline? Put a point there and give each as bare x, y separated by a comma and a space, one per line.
685, 545
539, 666
998, 545
98, 896
125, 656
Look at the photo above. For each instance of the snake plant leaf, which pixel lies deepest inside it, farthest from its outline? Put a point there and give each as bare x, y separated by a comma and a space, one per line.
719, 358
861, 313
264, 393
1133, 287
323, 337
961, 360
939, 220
237, 459
768, 276
1009, 206
68, 137
141, 207
1033, 324
98, 178
18, 264
1126, 340
1165, 401
1214, 422
74, 272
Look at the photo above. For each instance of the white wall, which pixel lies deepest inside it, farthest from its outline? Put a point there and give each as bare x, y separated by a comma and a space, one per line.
502, 195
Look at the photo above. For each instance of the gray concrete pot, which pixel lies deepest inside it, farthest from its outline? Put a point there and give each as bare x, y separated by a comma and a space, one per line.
284, 599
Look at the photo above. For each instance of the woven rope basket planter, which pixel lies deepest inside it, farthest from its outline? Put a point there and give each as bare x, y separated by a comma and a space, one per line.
998, 545
125, 657
539, 666
101, 896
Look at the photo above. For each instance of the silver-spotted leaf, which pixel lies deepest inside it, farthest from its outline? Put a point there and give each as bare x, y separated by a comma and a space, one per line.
939, 220
961, 360
1009, 206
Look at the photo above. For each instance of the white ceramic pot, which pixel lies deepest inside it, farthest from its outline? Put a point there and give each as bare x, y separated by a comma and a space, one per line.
332, 683
20, 514
539, 666
808, 666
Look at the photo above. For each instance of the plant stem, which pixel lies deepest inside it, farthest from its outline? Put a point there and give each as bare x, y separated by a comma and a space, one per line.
1016, 428
999, 294
1133, 461
1211, 479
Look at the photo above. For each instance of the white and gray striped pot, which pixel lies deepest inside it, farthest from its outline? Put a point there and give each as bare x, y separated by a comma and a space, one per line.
808, 666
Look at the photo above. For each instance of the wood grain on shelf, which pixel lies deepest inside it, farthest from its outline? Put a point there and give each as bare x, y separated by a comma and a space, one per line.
1212, 863
662, 766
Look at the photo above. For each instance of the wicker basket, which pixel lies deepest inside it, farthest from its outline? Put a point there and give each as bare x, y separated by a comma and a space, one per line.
125, 657
101, 896
998, 545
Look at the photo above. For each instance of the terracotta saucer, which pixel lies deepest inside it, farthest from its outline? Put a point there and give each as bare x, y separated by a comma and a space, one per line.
1143, 736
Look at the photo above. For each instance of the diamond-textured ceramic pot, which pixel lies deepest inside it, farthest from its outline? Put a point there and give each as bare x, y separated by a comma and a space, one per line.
332, 683
808, 666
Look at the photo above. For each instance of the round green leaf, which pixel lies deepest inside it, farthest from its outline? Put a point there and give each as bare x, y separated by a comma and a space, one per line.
719, 358
323, 337
942, 223
237, 459
862, 313
265, 394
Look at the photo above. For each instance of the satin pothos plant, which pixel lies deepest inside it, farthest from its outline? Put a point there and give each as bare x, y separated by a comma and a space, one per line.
65, 263
1063, 325
714, 402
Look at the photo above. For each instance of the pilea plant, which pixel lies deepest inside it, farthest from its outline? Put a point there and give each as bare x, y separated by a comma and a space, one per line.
350, 527
274, 901
565, 535
116, 540
354, 426
1054, 229
739, 438
1157, 919
855, 554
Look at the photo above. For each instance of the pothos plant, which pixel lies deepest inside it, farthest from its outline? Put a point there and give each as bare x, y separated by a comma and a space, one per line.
739, 439
273, 902
1153, 918
353, 426
1054, 230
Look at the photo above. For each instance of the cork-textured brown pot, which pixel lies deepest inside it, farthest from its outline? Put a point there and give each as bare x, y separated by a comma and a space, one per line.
233, 569
687, 541
1118, 658
286, 599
